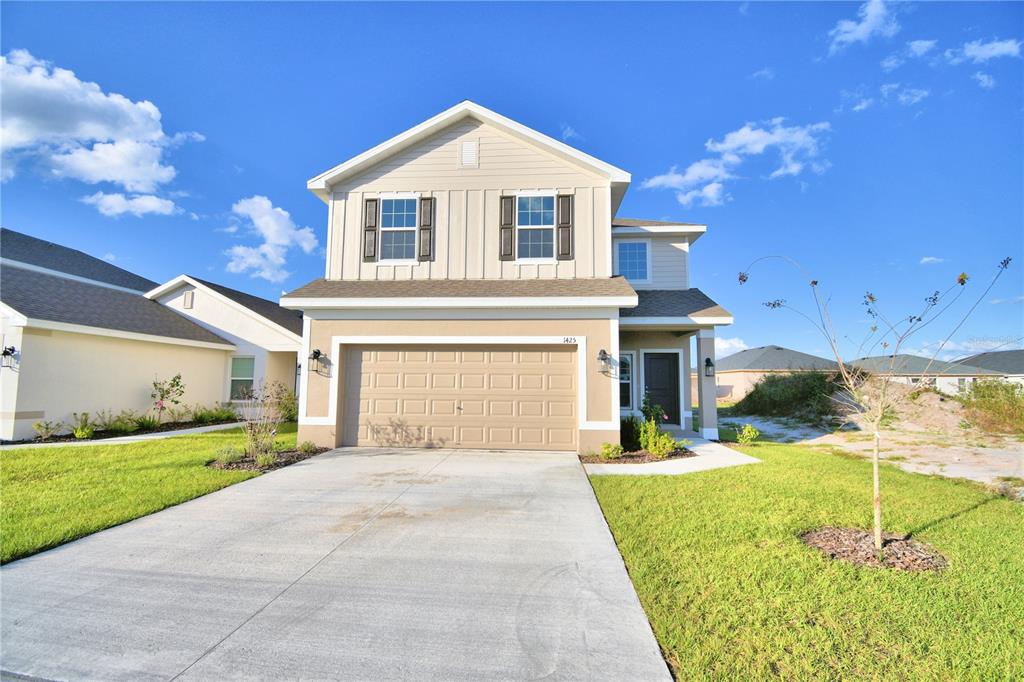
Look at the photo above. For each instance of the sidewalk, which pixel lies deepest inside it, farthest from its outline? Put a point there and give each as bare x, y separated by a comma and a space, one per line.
125, 439
710, 455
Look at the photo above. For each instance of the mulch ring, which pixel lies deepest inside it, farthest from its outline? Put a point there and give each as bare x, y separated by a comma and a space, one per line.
858, 547
284, 458
637, 457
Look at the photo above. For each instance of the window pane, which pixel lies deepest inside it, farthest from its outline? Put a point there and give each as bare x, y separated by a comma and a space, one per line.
398, 213
398, 244
535, 211
243, 368
625, 367
626, 395
241, 389
536, 243
633, 260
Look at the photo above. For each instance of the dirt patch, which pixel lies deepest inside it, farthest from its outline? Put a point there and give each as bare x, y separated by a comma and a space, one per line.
637, 457
285, 458
857, 546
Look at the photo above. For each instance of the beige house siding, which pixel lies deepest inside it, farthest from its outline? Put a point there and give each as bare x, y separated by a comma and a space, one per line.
95, 373
669, 262
281, 367
466, 209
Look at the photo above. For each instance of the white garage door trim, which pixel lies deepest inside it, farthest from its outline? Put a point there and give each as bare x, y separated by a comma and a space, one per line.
337, 341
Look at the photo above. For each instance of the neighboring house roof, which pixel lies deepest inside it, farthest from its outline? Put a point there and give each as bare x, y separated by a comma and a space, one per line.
320, 184
51, 298
1002, 361
610, 291
773, 359
23, 248
914, 365
674, 303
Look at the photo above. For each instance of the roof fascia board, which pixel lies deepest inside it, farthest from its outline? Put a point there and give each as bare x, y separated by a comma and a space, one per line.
463, 302
119, 334
662, 321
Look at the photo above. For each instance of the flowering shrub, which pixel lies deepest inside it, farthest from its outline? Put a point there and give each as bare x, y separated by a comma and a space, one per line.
167, 393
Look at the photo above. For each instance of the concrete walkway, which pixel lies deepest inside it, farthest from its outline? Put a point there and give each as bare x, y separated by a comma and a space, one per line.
125, 439
358, 564
710, 455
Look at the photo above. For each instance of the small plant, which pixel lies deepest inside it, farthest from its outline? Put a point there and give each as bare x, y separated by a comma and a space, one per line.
609, 451
228, 455
629, 434
307, 447
177, 415
48, 429
289, 407
147, 422
124, 422
262, 410
104, 420
80, 421
651, 411
648, 432
747, 435
165, 394
266, 459
83, 432
662, 445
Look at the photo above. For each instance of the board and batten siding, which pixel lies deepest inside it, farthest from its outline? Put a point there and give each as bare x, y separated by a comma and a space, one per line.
669, 262
467, 206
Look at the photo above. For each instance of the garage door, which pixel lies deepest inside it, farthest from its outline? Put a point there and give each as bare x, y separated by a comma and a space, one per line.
497, 397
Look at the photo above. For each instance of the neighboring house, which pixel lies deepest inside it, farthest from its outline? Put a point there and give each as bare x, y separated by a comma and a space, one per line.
480, 292
82, 335
738, 373
1008, 363
948, 377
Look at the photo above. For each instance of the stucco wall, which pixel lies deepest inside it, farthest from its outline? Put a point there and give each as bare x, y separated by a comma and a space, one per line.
61, 373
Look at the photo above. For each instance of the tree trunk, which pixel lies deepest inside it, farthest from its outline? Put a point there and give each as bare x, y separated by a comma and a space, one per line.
878, 496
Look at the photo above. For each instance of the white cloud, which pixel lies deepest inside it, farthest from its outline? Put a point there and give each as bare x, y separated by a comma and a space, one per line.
930, 260
1011, 300
767, 73
905, 96
891, 63
874, 19
979, 52
863, 104
78, 131
725, 347
919, 48
570, 133
984, 80
279, 233
117, 204
915, 50
797, 147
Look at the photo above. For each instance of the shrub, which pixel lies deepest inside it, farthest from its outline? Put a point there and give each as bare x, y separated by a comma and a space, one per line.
178, 414
995, 406
166, 393
747, 435
266, 459
609, 451
104, 420
224, 412
648, 432
307, 447
124, 422
801, 394
48, 429
80, 420
147, 422
662, 444
652, 412
289, 407
629, 434
228, 455
83, 432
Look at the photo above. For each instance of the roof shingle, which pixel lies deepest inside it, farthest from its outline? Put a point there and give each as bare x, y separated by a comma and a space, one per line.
674, 303
463, 288
774, 359
914, 365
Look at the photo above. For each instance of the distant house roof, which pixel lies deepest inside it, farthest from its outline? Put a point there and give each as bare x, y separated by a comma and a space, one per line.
914, 365
773, 359
16, 246
52, 298
1002, 361
674, 303
289, 319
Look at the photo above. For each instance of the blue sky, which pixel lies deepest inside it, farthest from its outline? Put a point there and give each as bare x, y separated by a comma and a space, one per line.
881, 145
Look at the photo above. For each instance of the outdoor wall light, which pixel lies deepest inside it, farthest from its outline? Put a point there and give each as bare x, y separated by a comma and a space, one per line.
709, 368
315, 357
9, 355
605, 360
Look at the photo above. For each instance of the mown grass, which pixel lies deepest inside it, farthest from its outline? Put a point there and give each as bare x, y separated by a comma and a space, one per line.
52, 495
732, 593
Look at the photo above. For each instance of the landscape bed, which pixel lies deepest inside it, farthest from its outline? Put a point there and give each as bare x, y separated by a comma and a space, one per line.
636, 457
733, 592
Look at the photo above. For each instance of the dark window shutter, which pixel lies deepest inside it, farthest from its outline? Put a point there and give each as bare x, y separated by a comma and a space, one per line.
507, 229
563, 227
426, 229
370, 230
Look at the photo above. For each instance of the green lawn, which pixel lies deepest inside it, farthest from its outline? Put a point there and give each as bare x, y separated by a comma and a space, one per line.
732, 593
49, 496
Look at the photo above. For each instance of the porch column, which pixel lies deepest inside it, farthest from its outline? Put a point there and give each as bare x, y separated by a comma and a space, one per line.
687, 381
706, 390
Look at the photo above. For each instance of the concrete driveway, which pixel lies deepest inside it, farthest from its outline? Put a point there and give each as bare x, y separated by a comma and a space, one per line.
359, 564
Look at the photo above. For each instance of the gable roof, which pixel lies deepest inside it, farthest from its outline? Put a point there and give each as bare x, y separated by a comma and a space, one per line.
289, 320
773, 359
914, 365
1002, 361
23, 248
321, 183
54, 299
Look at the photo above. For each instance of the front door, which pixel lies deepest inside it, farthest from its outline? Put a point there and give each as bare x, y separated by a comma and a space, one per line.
661, 380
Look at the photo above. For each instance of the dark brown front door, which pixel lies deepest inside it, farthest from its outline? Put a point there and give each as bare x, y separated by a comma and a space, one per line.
661, 378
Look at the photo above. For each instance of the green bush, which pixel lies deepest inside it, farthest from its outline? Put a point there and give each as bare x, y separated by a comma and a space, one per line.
289, 407
609, 451
266, 459
648, 432
48, 429
125, 422
307, 447
104, 420
81, 427
228, 455
747, 435
803, 395
662, 444
651, 411
995, 406
629, 434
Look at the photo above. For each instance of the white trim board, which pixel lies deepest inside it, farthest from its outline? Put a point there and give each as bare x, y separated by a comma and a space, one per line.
463, 302
466, 314
117, 333
674, 321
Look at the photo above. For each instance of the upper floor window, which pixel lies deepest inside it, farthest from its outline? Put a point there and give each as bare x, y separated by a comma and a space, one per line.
633, 260
397, 229
535, 227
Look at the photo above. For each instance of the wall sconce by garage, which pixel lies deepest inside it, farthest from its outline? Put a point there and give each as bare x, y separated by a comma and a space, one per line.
316, 360
9, 354
709, 368
605, 360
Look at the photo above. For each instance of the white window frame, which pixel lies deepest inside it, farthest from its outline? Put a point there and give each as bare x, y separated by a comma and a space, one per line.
647, 246
415, 230
554, 223
632, 380
232, 377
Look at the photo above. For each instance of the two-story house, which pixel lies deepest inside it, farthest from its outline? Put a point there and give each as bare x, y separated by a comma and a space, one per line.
480, 292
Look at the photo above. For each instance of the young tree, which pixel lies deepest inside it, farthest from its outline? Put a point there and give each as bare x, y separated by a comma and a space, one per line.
166, 393
873, 394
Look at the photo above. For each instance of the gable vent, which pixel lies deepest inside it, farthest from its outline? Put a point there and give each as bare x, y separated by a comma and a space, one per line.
469, 156
190, 296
